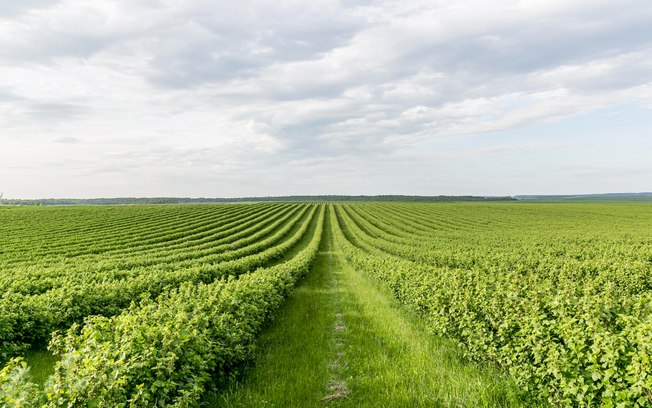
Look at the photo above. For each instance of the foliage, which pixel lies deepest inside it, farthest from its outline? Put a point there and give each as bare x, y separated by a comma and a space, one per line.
571, 320
157, 302
42, 297
163, 351
15, 388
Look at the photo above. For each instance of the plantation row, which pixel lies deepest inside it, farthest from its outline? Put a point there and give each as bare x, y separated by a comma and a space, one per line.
34, 280
38, 299
557, 295
152, 306
139, 238
165, 351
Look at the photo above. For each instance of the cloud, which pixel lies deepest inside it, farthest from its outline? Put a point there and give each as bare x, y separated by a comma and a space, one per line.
254, 89
234, 40
52, 111
524, 148
67, 140
11, 8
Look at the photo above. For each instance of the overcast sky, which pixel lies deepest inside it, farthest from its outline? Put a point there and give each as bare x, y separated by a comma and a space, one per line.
212, 98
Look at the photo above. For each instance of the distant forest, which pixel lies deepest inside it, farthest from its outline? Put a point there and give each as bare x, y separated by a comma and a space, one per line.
186, 200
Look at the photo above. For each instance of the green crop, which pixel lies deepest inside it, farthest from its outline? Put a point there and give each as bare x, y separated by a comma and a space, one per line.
557, 295
152, 306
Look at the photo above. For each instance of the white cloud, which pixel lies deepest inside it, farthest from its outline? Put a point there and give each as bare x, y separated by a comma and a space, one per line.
143, 90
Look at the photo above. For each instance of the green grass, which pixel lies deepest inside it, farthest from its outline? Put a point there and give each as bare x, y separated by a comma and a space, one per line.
394, 361
41, 364
289, 373
342, 341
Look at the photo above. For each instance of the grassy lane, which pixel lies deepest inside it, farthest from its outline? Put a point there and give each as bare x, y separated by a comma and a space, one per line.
291, 365
394, 361
341, 341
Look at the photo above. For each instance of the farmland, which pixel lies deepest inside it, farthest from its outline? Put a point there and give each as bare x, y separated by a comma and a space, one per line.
179, 305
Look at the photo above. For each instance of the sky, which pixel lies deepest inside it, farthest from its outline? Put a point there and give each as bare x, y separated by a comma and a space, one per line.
199, 98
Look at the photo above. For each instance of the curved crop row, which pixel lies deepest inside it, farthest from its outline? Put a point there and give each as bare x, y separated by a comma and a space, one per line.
603, 262
576, 342
37, 279
141, 233
163, 352
52, 231
28, 320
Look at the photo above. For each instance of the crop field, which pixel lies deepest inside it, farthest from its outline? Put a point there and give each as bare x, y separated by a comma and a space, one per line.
321, 304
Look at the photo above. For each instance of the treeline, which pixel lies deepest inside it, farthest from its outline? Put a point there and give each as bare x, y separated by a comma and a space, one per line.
590, 198
297, 198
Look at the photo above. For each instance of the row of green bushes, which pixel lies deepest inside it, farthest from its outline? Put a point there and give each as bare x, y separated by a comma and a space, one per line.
47, 272
162, 352
569, 341
26, 321
41, 234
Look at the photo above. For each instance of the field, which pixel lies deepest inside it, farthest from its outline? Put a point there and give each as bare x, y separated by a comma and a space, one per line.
314, 304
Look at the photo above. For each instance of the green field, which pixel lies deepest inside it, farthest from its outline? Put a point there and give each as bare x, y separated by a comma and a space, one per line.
314, 304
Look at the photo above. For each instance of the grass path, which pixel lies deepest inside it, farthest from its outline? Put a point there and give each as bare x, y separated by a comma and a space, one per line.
341, 341
295, 351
